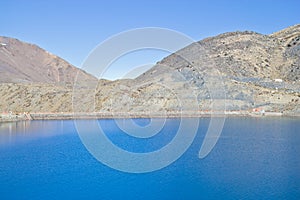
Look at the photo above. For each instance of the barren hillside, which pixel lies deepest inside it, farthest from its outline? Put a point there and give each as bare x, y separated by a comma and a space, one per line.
21, 62
237, 71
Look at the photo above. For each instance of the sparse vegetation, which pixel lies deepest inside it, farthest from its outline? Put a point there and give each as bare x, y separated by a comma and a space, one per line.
247, 65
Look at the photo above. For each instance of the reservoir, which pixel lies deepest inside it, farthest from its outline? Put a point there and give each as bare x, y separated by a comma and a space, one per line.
254, 158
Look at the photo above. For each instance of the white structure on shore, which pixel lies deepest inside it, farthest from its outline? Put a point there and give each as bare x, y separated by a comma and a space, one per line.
278, 80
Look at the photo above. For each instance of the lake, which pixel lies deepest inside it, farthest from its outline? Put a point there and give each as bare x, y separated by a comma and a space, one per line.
255, 158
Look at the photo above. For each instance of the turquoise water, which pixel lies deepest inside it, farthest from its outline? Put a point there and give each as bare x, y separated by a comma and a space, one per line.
255, 158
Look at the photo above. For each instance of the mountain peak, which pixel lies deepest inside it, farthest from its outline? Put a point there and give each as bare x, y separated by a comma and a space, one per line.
22, 62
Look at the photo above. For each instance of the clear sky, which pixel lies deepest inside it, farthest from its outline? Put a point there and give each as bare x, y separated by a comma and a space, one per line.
71, 29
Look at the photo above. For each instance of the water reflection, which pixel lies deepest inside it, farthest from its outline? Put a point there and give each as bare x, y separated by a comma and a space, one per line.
24, 131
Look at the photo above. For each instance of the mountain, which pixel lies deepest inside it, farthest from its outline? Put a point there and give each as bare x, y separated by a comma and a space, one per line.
237, 71
21, 62
34, 80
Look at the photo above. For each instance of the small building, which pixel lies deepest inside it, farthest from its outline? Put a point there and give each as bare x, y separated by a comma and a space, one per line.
278, 80
259, 110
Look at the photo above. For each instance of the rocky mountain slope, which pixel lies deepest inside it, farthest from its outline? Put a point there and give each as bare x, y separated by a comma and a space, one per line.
238, 71
21, 62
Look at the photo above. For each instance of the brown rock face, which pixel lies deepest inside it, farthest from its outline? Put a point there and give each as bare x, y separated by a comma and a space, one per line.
26, 63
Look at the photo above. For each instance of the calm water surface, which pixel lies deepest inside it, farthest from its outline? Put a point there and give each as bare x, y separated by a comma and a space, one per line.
255, 158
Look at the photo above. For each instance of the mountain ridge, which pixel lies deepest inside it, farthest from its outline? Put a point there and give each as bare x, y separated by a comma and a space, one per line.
235, 71
22, 62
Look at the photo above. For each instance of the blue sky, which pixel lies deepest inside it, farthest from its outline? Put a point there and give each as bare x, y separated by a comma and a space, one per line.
71, 29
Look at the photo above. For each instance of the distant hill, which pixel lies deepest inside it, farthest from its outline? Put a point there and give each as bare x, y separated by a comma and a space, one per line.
237, 71
21, 62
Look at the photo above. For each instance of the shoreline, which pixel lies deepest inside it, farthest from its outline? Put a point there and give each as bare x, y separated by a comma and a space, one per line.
74, 116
